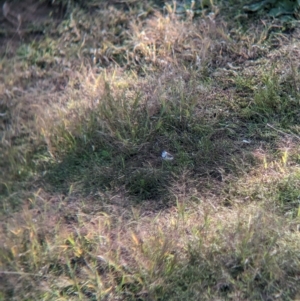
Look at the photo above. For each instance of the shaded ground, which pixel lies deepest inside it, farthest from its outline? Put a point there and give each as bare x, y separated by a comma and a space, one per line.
26, 20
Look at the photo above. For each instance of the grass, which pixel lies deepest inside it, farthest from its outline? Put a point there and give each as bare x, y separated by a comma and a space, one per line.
90, 211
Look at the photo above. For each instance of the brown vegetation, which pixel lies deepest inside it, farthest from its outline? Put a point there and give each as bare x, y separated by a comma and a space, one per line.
90, 211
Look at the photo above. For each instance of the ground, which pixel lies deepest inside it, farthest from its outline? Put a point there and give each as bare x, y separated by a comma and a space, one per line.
91, 93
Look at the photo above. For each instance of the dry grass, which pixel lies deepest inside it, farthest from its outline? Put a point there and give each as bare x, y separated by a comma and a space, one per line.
90, 211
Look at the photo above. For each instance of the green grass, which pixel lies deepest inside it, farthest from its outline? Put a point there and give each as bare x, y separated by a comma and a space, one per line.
90, 210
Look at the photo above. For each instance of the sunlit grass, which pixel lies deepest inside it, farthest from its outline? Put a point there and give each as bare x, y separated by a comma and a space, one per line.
89, 208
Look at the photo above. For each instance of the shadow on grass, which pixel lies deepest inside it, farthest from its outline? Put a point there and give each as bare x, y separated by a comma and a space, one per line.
129, 158
118, 143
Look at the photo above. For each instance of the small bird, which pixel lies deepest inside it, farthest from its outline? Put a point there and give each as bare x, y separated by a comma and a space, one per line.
166, 156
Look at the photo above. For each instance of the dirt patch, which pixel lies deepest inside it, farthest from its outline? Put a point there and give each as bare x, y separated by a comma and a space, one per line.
26, 20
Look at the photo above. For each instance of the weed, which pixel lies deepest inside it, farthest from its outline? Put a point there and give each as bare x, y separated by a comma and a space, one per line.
272, 102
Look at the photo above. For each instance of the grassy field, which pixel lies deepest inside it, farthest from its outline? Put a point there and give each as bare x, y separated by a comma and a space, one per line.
88, 208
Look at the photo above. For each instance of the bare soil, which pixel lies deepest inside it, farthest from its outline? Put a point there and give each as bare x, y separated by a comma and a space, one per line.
26, 20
